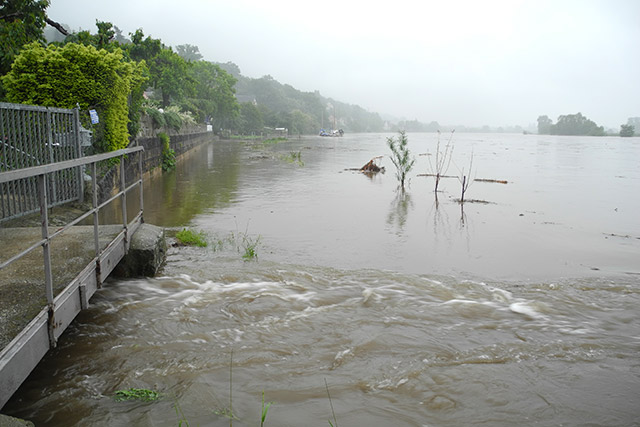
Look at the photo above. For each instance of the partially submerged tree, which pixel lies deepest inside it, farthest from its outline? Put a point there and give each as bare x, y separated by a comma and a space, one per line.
400, 156
465, 179
442, 160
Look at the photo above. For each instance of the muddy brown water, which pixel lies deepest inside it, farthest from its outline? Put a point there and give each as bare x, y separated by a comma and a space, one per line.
523, 310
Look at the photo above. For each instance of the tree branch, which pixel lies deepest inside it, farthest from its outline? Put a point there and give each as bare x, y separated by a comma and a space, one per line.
57, 26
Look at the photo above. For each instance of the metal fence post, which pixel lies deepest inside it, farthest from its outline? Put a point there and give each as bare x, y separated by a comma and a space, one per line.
96, 220
123, 188
76, 126
46, 251
140, 178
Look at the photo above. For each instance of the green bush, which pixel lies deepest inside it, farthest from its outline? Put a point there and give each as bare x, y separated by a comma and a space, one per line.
76, 74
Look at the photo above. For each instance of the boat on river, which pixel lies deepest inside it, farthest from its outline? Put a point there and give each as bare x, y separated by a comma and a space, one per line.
333, 133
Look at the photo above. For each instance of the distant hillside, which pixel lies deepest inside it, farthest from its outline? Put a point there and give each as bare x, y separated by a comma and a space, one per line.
282, 105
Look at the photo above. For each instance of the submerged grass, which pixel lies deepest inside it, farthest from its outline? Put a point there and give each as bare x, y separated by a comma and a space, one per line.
189, 237
293, 157
142, 394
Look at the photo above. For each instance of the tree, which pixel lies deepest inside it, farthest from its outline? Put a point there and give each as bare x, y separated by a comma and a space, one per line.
75, 74
21, 22
169, 74
189, 52
627, 130
576, 124
213, 93
250, 118
143, 48
544, 125
634, 121
442, 160
401, 157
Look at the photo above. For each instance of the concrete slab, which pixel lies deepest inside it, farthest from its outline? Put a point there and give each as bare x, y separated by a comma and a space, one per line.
22, 283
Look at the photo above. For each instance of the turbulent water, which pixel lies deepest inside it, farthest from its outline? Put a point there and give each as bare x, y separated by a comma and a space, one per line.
382, 307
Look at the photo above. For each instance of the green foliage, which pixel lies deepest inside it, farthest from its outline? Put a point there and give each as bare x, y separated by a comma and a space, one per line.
294, 156
570, 124
156, 116
281, 105
544, 125
168, 154
400, 156
168, 73
75, 74
627, 130
274, 140
142, 394
191, 238
189, 52
250, 246
250, 119
213, 94
141, 48
21, 22
173, 120
265, 409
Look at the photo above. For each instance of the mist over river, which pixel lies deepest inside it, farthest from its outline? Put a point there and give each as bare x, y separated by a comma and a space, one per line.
519, 307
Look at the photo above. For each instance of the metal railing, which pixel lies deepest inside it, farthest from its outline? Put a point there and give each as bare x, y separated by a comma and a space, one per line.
33, 136
42, 174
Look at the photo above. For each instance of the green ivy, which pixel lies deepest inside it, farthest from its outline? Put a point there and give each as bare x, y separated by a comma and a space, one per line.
168, 154
76, 74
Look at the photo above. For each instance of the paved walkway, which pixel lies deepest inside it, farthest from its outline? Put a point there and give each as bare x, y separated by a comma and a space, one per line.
22, 283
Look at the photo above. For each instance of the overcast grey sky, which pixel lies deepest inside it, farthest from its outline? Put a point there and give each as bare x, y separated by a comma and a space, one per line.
456, 62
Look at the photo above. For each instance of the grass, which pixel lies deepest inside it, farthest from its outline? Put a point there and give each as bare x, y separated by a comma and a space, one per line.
142, 394
274, 140
265, 409
188, 237
293, 157
249, 246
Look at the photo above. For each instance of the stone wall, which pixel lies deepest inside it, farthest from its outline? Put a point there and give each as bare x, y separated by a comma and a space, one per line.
109, 184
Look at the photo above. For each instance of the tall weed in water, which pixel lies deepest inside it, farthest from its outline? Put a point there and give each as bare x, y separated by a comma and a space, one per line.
331, 403
401, 157
265, 409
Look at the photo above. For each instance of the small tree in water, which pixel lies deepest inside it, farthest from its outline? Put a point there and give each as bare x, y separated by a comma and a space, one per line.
400, 156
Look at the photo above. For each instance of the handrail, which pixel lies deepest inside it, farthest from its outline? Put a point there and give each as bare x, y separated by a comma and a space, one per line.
66, 164
42, 172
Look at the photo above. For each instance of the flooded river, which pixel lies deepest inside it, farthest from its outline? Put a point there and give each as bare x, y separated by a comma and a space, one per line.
383, 307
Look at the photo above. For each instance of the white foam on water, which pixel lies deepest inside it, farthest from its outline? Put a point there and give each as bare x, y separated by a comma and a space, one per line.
526, 309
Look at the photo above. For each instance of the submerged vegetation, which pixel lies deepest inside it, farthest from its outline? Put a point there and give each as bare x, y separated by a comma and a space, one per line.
141, 394
401, 157
293, 157
189, 237
442, 160
168, 154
